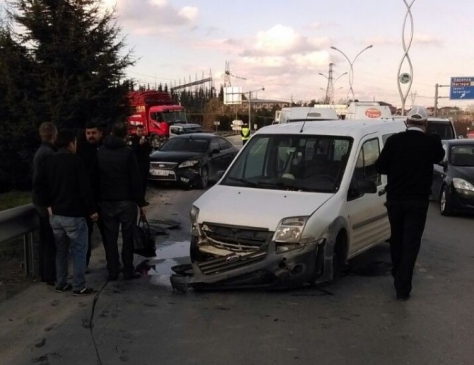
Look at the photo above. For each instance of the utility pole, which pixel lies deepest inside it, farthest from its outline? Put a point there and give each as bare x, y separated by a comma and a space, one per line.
437, 86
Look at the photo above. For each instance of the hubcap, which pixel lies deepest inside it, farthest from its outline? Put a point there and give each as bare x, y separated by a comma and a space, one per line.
443, 201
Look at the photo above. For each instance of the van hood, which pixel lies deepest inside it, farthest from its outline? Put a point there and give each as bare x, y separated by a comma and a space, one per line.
251, 207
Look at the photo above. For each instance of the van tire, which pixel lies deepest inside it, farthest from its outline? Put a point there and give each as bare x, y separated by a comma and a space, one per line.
338, 257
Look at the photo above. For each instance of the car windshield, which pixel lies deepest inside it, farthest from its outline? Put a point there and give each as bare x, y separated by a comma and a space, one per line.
443, 129
186, 145
462, 155
291, 162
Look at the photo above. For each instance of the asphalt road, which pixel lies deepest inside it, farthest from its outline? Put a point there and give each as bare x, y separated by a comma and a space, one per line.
355, 320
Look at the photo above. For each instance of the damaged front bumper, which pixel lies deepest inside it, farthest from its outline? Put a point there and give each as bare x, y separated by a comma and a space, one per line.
250, 260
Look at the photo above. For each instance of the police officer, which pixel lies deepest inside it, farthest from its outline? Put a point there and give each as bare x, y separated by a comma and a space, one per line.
245, 133
407, 159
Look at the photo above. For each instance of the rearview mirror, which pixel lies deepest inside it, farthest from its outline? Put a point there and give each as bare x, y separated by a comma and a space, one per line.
214, 151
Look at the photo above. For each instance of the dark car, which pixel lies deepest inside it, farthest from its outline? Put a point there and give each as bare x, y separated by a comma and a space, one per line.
192, 160
453, 178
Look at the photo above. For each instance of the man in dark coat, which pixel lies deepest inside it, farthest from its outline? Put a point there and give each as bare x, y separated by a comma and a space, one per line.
87, 150
47, 249
407, 159
120, 195
142, 148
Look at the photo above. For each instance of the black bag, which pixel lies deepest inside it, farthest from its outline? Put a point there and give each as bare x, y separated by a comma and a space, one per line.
143, 238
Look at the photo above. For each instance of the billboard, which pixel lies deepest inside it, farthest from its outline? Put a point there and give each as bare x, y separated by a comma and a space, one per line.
232, 95
461, 88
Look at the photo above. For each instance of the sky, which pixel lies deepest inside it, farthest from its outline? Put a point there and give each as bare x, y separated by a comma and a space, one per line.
284, 45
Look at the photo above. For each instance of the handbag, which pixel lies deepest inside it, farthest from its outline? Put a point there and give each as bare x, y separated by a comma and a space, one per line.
143, 238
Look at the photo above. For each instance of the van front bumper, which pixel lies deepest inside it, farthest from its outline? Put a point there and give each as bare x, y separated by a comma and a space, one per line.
264, 268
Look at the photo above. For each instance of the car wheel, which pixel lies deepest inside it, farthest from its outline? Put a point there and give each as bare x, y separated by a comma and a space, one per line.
445, 205
203, 178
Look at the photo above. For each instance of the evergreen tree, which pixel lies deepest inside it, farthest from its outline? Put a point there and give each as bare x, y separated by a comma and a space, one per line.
61, 61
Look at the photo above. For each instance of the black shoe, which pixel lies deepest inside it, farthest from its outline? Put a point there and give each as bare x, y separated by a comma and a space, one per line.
403, 298
83, 292
63, 288
131, 276
112, 277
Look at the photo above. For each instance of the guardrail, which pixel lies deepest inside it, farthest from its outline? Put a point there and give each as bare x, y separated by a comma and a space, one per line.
21, 222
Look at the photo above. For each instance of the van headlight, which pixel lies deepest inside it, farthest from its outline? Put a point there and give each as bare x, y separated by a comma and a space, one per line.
462, 184
194, 214
287, 236
188, 163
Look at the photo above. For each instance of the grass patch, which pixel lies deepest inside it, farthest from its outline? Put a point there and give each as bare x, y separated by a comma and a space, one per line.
14, 199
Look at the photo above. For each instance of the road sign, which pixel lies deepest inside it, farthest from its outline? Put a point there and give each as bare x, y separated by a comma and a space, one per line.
461, 88
404, 78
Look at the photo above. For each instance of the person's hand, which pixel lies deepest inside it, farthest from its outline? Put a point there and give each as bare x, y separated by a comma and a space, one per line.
94, 217
50, 211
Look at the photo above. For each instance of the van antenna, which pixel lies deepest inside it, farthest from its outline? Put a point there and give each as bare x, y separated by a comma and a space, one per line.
302, 127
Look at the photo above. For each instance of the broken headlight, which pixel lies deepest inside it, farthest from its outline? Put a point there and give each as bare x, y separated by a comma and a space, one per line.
287, 236
194, 214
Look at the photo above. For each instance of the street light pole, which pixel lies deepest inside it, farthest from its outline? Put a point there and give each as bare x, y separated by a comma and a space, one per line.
250, 105
351, 69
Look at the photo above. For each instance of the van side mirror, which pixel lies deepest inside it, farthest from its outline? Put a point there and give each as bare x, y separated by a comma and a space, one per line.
443, 163
366, 186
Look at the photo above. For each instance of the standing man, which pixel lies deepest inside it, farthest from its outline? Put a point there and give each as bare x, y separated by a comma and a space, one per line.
407, 159
87, 151
120, 195
245, 133
63, 187
47, 248
142, 149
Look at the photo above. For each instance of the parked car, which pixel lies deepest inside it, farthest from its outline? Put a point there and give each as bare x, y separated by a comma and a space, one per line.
192, 160
178, 129
453, 178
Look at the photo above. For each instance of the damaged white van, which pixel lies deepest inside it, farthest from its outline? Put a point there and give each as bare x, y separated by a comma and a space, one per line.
298, 201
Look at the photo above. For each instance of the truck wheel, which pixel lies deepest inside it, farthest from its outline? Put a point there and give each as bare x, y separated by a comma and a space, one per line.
445, 205
203, 179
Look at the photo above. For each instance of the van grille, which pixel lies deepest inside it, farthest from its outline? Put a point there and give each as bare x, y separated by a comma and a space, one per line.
236, 239
227, 263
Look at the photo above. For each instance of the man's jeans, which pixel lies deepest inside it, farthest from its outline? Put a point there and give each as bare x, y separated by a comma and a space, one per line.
116, 215
70, 234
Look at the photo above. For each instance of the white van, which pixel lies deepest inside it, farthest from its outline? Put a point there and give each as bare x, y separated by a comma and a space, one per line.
367, 110
297, 202
304, 113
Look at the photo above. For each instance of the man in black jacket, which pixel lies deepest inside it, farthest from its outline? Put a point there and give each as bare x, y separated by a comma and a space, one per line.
47, 248
120, 196
63, 187
407, 159
142, 149
87, 150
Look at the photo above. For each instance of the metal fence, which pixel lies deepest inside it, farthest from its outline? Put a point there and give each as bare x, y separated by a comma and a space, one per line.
21, 222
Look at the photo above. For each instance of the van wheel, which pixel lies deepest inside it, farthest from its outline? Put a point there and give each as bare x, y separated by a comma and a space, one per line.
445, 205
338, 258
203, 178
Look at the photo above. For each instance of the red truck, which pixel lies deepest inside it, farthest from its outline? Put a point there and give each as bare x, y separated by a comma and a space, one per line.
156, 111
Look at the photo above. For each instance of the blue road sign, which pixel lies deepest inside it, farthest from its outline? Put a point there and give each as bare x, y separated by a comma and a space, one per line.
461, 88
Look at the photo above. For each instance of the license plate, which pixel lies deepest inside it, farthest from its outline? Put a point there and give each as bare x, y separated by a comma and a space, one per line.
160, 172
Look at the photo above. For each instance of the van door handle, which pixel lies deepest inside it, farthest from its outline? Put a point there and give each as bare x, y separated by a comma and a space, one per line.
382, 192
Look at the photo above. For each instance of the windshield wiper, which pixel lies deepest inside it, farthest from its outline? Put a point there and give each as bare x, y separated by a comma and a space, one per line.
245, 181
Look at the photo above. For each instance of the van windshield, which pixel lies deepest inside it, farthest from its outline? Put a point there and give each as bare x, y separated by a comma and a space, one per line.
313, 163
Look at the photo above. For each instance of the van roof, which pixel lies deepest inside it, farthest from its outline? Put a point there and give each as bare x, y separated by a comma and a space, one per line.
349, 128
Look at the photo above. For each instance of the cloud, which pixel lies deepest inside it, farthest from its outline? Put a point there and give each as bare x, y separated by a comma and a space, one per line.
152, 17
420, 39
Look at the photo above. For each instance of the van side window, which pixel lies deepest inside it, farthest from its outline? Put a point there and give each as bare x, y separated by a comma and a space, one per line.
365, 166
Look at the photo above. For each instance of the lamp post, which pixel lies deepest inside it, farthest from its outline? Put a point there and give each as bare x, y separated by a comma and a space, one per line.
351, 69
250, 105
